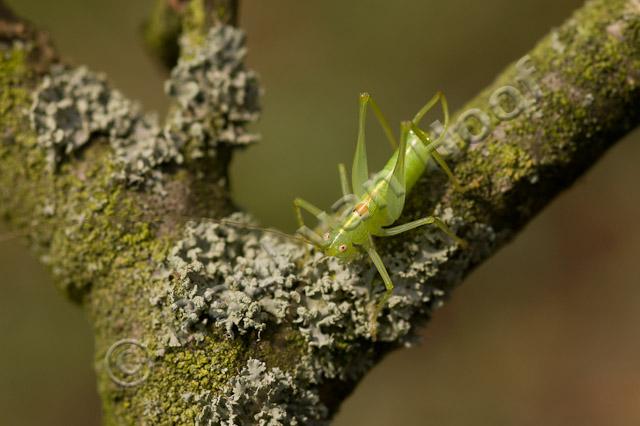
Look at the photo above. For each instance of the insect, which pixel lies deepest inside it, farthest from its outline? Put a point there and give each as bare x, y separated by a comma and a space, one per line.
370, 206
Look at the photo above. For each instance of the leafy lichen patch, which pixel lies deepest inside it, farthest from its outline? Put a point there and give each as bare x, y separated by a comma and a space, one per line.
222, 275
264, 396
215, 93
72, 106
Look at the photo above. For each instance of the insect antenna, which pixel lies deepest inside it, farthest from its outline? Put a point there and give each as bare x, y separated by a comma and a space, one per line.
243, 225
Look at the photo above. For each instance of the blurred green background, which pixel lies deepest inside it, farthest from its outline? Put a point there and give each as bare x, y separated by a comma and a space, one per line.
543, 334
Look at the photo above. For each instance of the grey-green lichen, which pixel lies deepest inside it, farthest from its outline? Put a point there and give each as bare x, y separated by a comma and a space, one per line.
225, 277
215, 98
217, 95
72, 105
266, 397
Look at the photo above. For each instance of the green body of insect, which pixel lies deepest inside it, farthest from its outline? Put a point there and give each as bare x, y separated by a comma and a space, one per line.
373, 205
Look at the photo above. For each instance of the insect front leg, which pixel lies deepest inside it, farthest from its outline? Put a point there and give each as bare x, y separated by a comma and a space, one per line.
299, 204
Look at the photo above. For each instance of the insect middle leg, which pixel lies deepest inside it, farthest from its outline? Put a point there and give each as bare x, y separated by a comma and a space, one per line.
344, 180
344, 206
429, 220
388, 284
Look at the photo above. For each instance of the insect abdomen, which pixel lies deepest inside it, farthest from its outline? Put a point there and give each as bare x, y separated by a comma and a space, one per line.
415, 161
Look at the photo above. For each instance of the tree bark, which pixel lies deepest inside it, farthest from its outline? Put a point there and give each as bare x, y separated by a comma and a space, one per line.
199, 321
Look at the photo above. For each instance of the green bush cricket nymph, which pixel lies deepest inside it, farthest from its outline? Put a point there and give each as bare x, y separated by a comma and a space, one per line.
369, 207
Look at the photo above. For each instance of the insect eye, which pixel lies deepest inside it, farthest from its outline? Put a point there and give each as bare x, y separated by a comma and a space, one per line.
326, 236
342, 247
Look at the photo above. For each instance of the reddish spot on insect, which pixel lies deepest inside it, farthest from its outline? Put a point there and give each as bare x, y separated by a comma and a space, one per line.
342, 247
362, 209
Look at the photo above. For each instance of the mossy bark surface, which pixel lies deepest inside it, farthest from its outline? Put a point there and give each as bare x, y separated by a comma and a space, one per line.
575, 94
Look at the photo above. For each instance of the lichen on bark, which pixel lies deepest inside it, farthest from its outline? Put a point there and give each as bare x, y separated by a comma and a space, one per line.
202, 308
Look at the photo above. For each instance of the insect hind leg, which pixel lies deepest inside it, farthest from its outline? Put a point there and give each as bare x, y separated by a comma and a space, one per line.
359, 169
424, 137
382, 120
438, 97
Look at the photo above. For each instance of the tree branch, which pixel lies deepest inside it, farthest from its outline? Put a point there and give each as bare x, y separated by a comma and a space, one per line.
197, 320
163, 28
